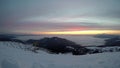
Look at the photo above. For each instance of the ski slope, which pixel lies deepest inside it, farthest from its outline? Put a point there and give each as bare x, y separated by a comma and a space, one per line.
11, 56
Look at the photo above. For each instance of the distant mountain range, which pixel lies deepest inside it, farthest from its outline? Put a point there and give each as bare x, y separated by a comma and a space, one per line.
106, 36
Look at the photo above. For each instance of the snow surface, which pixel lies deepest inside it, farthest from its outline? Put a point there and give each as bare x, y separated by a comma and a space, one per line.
15, 57
106, 49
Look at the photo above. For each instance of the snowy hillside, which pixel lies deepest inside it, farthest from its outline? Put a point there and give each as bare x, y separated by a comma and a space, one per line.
104, 49
11, 56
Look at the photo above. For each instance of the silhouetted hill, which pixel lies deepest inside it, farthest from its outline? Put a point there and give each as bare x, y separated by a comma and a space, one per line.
59, 45
9, 38
106, 36
115, 41
6, 37
31, 41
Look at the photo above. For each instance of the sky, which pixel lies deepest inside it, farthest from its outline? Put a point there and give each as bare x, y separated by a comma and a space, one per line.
60, 16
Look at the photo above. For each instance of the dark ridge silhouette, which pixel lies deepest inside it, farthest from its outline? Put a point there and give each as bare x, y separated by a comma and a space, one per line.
106, 36
113, 41
10, 38
31, 41
6, 37
59, 45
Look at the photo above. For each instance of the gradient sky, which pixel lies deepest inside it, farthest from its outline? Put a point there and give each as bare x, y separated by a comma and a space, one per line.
59, 16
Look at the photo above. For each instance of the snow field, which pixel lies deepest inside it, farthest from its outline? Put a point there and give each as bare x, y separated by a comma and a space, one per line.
13, 57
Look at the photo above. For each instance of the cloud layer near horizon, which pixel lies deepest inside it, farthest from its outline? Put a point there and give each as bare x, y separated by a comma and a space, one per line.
27, 16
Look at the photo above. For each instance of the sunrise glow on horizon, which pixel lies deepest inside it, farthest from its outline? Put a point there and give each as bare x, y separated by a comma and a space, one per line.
86, 32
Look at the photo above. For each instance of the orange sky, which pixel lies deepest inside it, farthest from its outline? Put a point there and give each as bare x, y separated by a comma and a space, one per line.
85, 32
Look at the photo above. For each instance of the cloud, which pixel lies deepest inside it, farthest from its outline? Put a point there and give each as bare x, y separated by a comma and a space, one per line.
58, 15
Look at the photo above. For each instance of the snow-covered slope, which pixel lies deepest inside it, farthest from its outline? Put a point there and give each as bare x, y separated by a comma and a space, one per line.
15, 45
105, 49
11, 57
